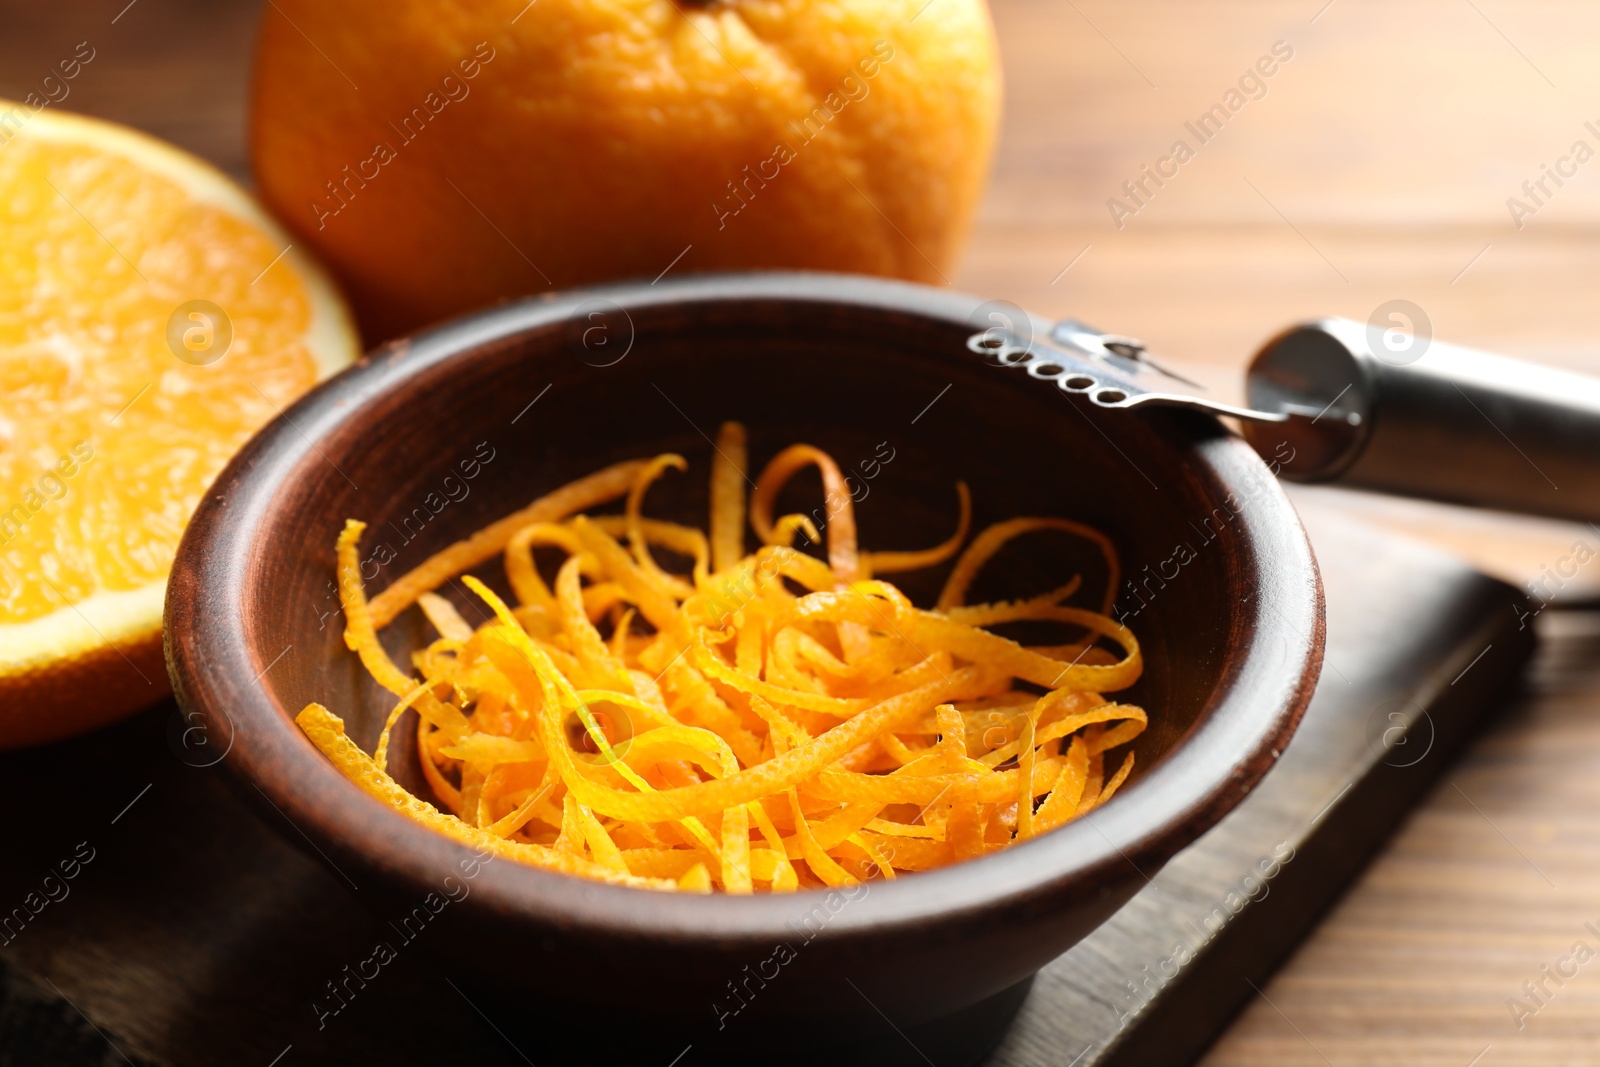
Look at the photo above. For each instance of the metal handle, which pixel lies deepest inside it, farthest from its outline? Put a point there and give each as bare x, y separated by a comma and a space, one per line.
1429, 420
1339, 401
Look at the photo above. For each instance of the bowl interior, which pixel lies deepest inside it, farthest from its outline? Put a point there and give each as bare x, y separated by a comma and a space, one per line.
895, 397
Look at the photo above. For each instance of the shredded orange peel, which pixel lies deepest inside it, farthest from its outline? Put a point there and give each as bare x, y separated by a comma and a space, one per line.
767, 722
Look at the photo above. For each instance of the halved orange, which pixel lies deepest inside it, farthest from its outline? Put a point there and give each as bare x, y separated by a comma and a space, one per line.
152, 317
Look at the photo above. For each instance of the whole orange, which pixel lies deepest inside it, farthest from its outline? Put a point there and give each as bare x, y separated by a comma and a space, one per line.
444, 154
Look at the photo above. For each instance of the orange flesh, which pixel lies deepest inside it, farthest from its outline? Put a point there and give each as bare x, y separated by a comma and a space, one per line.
97, 255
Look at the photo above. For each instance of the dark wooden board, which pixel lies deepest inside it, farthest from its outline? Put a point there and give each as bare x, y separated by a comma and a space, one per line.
197, 935
1421, 650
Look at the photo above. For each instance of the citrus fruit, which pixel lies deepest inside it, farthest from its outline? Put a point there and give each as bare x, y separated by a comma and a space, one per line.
151, 319
441, 154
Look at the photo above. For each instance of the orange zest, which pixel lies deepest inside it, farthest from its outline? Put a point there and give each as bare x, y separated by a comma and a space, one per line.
765, 723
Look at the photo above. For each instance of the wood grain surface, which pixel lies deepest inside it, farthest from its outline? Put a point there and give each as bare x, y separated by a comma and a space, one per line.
1377, 166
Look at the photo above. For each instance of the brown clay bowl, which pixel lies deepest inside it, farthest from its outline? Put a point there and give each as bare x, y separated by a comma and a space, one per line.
1232, 640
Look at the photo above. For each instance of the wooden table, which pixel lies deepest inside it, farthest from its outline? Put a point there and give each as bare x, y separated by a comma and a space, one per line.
1376, 166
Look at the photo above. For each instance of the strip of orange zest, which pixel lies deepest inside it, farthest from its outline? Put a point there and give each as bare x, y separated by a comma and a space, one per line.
769, 722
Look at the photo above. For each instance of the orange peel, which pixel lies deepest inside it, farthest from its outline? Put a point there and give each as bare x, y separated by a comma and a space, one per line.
720, 730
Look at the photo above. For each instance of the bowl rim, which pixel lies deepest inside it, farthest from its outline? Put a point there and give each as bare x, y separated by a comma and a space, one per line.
212, 663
